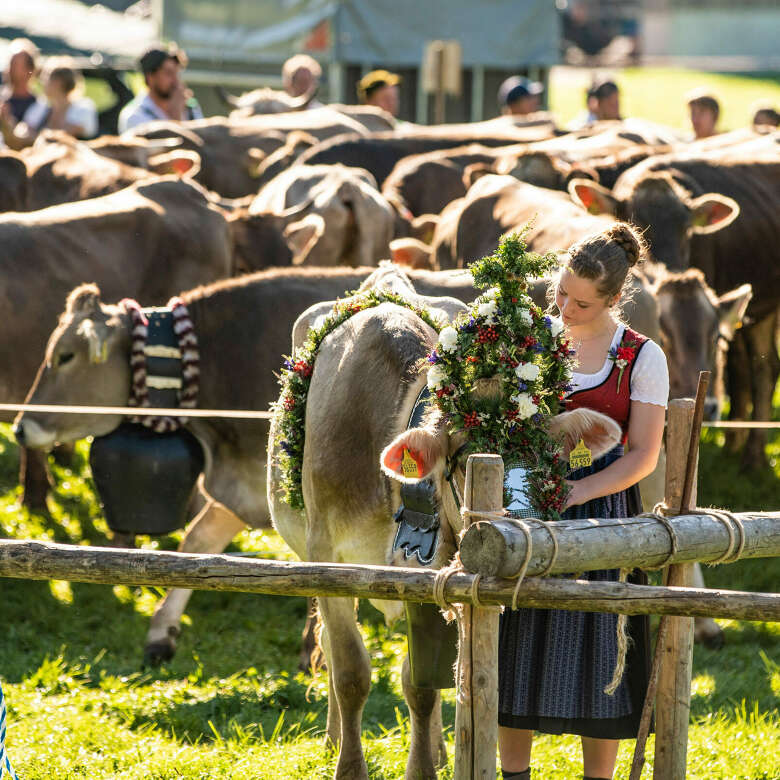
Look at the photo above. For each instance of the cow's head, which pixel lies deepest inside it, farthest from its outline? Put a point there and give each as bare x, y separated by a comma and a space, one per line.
87, 363
430, 452
696, 325
663, 210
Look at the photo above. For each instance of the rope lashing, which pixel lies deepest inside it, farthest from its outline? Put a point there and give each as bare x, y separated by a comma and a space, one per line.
5, 762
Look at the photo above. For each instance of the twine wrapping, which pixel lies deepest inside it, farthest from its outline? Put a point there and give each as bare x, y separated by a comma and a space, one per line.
5, 762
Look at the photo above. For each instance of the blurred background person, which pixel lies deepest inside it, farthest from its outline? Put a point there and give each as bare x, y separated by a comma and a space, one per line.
518, 95
63, 107
380, 88
764, 114
704, 113
167, 97
602, 101
301, 75
15, 95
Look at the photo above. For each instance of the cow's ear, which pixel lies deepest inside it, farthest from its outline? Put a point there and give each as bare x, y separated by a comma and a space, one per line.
424, 226
731, 309
415, 454
594, 198
410, 252
712, 212
85, 299
302, 236
181, 162
599, 432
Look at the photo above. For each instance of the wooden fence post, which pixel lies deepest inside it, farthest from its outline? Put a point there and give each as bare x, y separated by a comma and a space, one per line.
674, 685
476, 713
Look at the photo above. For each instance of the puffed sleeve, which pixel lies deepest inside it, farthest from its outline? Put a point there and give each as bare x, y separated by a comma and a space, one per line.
650, 377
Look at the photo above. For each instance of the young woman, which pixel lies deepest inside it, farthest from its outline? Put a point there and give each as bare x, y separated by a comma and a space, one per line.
64, 108
554, 664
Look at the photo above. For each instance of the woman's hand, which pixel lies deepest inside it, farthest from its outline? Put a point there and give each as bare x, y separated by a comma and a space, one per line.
577, 494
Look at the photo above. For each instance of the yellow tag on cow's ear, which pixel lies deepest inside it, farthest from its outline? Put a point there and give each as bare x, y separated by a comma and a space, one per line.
580, 456
409, 465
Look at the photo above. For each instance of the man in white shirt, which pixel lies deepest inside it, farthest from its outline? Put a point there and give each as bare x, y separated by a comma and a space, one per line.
167, 96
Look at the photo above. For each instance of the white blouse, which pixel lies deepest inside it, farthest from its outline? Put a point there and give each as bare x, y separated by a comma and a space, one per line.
649, 379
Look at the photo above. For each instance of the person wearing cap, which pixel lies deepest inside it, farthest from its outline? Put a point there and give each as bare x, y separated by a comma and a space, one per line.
380, 88
167, 97
764, 114
704, 112
518, 96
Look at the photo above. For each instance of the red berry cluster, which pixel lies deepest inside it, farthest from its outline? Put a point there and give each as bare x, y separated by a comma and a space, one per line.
487, 334
471, 420
511, 414
303, 368
289, 403
525, 343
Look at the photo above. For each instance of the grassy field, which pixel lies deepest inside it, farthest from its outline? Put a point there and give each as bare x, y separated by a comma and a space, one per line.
232, 705
659, 93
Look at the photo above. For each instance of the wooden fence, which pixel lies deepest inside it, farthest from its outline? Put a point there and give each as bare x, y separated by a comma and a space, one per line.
582, 545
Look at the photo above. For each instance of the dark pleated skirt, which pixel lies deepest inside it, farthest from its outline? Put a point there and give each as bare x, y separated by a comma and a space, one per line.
554, 664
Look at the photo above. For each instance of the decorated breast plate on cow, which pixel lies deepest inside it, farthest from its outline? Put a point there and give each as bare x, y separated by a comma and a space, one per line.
417, 534
146, 477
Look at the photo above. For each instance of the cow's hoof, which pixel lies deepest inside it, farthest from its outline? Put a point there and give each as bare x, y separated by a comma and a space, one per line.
156, 653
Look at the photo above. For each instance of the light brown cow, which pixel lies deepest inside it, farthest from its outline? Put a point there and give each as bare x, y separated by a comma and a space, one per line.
349, 504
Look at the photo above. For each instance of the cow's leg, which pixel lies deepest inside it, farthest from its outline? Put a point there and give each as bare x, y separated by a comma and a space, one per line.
308, 637
333, 724
764, 370
705, 630
350, 669
210, 532
738, 382
34, 478
423, 703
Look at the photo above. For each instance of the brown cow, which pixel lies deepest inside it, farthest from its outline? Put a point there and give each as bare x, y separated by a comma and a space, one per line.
680, 201
232, 150
341, 217
242, 325
349, 503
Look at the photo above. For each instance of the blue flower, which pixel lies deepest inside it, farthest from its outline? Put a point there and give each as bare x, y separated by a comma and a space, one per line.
521, 385
288, 364
537, 418
433, 357
538, 347
548, 322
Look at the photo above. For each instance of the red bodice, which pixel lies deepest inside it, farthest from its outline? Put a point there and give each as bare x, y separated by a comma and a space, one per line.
613, 396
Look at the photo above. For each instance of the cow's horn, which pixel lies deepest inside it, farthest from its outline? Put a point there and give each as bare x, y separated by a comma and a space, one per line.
227, 98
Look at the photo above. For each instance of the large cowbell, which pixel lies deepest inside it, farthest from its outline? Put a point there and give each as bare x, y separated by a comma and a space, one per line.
146, 480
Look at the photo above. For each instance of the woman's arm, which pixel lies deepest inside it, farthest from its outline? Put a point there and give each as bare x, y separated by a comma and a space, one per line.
645, 433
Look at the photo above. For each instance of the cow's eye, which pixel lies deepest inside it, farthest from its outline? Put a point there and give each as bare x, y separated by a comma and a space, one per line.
64, 357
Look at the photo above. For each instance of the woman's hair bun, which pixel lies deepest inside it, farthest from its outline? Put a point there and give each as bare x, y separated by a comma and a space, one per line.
629, 240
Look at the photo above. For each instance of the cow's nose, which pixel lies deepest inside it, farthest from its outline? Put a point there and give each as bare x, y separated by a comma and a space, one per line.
18, 431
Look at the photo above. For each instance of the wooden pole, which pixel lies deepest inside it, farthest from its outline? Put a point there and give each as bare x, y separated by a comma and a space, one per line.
674, 682
498, 548
476, 712
33, 560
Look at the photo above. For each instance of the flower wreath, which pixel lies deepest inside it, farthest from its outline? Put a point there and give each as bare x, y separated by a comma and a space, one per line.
506, 337
295, 379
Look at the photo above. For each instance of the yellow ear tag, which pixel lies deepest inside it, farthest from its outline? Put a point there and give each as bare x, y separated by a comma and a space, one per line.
409, 466
580, 456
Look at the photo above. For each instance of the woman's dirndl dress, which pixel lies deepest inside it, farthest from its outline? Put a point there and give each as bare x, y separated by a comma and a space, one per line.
554, 664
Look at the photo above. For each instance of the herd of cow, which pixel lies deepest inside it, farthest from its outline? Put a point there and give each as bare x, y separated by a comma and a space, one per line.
319, 197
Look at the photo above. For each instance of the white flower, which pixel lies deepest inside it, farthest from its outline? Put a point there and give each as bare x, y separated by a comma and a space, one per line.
526, 317
448, 339
487, 310
528, 372
556, 326
436, 377
525, 405
492, 293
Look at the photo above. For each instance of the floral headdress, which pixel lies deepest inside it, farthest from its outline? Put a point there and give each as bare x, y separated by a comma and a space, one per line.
501, 371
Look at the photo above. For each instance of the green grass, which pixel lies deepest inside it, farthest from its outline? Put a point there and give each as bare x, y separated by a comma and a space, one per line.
658, 94
231, 703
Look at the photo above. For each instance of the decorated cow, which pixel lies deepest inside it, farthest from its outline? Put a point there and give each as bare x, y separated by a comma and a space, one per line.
354, 397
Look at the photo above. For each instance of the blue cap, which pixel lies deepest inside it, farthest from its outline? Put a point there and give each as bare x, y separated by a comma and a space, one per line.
517, 87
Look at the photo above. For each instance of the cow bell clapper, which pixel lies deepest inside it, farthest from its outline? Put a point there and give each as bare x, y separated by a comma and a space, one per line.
146, 480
